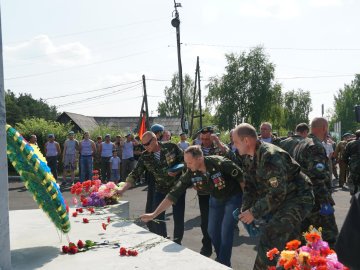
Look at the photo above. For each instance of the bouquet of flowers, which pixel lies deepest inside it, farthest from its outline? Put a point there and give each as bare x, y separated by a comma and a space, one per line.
93, 193
315, 255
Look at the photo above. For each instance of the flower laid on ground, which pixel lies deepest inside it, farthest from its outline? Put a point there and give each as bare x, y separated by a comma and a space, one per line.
85, 220
128, 252
315, 255
74, 214
80, 247
104, 225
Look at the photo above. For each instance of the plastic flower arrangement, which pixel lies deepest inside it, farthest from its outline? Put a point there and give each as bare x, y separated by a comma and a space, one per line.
315, 255
93, 193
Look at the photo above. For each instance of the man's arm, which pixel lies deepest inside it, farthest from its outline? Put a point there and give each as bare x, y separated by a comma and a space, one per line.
58, 149
165, 204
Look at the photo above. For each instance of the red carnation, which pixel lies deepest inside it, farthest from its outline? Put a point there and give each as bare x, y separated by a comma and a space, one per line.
85, 220
132, 252
104, 226
65, 249
123, 251
80, 210
108, 220
73, 250
80, 244
74, 214
91, 210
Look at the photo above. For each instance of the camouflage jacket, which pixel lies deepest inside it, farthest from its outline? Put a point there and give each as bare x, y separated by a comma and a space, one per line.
170, 155
352, 156
222, 179
339, 150
274, 140
289, 144
272, 179
311, 155
215, 150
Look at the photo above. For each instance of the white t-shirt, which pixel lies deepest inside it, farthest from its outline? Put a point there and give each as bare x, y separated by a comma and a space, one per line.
115, 162
183, 145
328, 148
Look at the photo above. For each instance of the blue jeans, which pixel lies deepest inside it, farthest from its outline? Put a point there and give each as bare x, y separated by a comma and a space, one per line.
86, 164
221, 226
115, 175
178, 216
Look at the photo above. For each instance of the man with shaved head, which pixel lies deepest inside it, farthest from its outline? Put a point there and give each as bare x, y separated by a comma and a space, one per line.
311, 155
159, 158
276, 191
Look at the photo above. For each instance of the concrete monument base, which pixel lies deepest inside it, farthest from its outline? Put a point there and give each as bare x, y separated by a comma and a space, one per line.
36, 244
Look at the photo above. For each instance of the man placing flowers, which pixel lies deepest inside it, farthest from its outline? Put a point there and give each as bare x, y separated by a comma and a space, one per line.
223, 179
275, 191
158, 158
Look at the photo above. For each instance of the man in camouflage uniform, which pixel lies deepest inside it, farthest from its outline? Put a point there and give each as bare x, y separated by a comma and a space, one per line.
223, 180
339, 151
275, 190
266, 134
210, 145
352, 159
158, 158
301, 132
311, 155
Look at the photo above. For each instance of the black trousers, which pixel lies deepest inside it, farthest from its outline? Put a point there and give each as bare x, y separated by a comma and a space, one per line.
52, 163
150, 179
204, 216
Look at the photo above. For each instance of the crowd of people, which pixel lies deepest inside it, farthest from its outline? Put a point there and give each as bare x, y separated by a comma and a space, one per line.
284, 184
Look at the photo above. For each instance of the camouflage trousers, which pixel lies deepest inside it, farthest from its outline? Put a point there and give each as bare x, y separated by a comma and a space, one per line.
284, 226
330, 230
354, 182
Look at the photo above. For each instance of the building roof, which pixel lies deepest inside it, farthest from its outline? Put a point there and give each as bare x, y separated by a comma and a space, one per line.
127, 124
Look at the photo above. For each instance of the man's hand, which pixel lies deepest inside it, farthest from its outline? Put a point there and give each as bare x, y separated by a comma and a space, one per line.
120, 192
214, 138
246, 217
147, 217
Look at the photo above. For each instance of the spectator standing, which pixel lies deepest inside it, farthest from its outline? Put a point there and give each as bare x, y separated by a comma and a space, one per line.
231, 145
166, 136
183, 144
33, 139
52, 152
97, 155
115, 162
266, 134
327, 143
87, 150
352, 158
106, 149
71, 147
339, 152
128, 159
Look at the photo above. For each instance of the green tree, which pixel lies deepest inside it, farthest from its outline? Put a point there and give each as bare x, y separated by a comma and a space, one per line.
244, 90
344, 102
297, 106
25, 106
42, 128
171, 105
276, 114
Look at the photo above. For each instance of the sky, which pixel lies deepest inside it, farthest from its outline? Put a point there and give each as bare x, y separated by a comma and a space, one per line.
88, 56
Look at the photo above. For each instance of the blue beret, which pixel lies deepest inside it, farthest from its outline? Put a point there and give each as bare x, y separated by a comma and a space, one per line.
156, 128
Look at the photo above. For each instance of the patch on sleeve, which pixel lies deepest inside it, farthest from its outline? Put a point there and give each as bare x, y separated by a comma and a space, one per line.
273, 182
320, 167
234, 172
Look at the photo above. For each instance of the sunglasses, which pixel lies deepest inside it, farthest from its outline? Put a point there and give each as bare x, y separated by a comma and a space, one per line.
148, 143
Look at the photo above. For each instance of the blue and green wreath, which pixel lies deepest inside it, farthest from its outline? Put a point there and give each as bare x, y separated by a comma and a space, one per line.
31, 166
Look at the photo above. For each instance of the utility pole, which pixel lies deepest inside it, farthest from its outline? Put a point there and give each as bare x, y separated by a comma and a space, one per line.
175, 22
322, 110
194, 99
200, 109
5, 255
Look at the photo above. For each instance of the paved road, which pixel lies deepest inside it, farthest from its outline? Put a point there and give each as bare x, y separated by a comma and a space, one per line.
243, 249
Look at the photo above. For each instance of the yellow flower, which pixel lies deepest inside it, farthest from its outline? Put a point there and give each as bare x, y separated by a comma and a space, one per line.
304, 257
287, 254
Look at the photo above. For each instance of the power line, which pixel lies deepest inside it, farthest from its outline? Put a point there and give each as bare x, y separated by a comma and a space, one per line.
271, 48
79, 66
91, 30
315, 77
90, 91
99, 96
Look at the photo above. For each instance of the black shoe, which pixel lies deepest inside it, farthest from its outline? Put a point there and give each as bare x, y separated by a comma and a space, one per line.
206, 251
